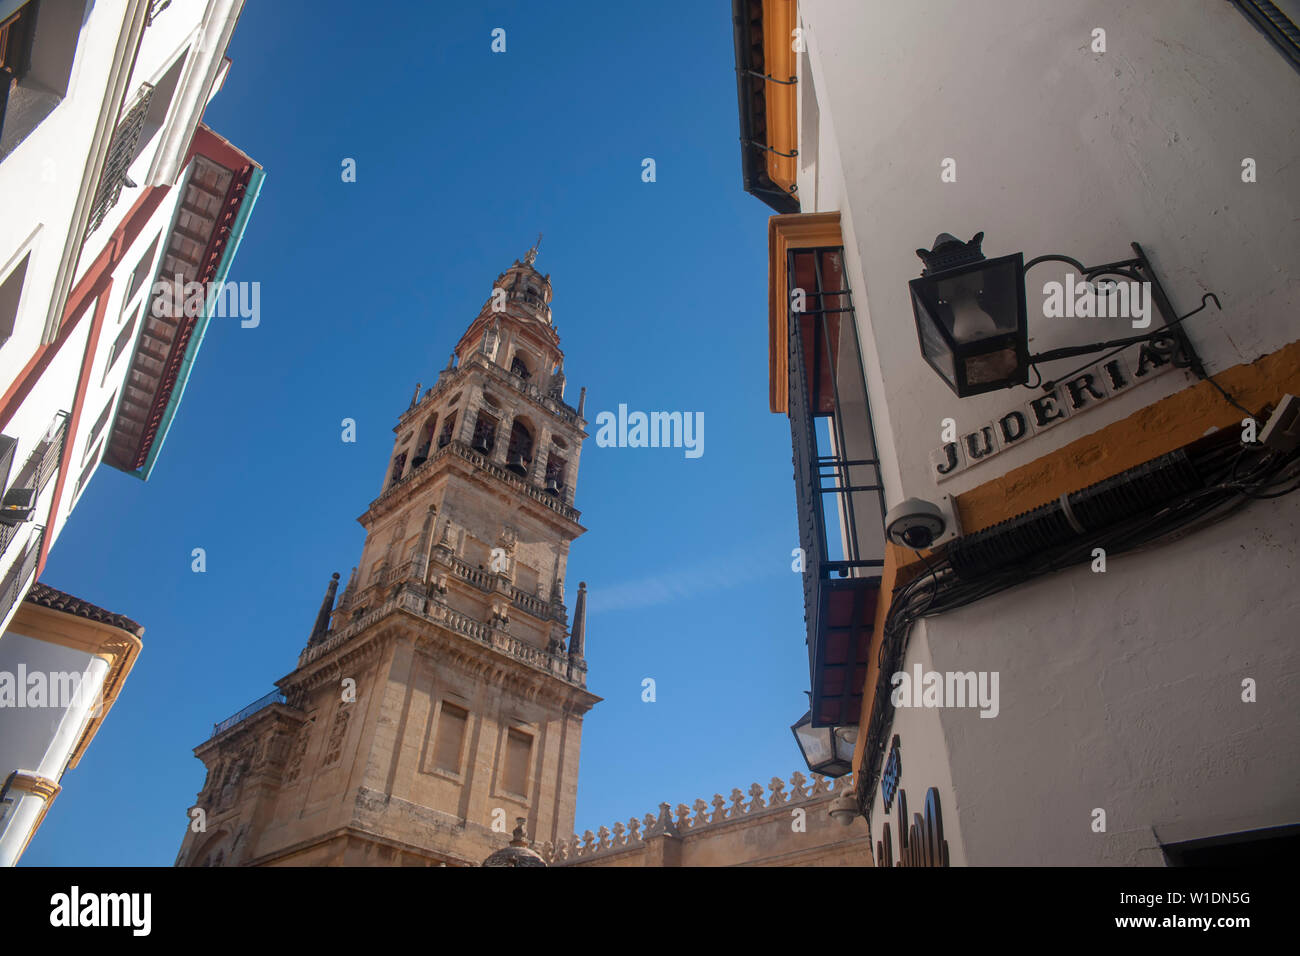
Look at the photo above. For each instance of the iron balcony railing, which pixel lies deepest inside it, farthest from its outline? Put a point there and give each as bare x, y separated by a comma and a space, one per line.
121, 153
41, 465
275, 697
19, 576
839, 493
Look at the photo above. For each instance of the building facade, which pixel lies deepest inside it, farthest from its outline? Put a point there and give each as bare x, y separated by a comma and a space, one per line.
118, 203
1084, 652
442, 699
62, 666
109, 182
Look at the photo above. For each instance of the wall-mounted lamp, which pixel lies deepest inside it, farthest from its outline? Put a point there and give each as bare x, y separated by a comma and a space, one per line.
972, 324
827, 750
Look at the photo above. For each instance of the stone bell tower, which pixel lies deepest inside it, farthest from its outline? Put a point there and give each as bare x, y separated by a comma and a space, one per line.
442, 699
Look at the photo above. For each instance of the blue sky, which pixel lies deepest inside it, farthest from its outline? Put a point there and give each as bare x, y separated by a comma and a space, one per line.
463, 156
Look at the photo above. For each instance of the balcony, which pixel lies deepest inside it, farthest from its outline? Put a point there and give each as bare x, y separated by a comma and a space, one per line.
413, 604
121, 152
275, 697
839, 497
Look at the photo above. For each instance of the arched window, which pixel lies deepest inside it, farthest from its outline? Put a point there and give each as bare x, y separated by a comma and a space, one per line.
448, 429
425, 441
399, 463
555, 473
519, 453
518, 367
485, 433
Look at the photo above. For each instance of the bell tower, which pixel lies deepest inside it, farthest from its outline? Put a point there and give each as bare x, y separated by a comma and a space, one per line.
442, 699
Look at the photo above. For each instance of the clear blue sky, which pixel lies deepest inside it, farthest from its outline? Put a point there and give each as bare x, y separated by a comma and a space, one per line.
660, 300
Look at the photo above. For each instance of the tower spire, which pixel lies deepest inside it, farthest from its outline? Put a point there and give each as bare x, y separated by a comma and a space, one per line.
577, 639
531, 255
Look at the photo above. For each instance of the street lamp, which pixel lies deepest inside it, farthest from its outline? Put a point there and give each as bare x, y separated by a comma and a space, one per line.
972, 324
826, 750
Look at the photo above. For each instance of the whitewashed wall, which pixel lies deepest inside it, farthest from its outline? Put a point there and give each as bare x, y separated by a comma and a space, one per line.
1119, 690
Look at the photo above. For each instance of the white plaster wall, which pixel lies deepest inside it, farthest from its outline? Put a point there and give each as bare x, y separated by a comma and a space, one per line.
40, 179
923, 755
104, 383
1120, 690
1123, 691
1058, 149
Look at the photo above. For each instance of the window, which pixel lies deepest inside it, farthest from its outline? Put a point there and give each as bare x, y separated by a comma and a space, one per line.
38, 42
16, 34
485, 433
452, 721
519, 752
399, 463
86, 472
519, 453
518, 367
448, 430
100, 422
555, 473
159, 105
11, 294
142, 270
120, 345
425, 441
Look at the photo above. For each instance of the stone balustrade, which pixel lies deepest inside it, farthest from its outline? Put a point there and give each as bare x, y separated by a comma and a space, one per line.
412, 603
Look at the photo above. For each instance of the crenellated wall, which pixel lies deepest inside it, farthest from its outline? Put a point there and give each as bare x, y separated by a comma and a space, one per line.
786, 825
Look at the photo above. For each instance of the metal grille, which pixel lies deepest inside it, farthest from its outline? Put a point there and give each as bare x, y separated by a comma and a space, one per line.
121, 152
839, 497
826, 381
16, 581
275, 697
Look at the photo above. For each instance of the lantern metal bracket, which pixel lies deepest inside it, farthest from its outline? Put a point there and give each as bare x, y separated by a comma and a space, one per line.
1168, 338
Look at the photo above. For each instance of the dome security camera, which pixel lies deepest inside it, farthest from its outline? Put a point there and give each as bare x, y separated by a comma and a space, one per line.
914, 523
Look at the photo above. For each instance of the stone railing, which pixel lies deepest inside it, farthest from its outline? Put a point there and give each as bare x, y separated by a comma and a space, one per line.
531, 604
484, 634
486, 581
467, 572
634, 833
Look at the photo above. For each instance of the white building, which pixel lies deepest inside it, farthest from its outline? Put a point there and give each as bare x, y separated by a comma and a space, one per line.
107, 181
1142, 714
110, 188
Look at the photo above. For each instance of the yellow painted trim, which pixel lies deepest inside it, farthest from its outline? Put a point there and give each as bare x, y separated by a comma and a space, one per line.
780, 18
118, 647
35, 784
38, 786
1149, 432
794, 231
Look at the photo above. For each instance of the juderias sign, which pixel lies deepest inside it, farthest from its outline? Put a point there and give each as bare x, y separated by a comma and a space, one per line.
1086, 389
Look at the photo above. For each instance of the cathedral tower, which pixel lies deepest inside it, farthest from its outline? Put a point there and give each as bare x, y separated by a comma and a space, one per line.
442, 698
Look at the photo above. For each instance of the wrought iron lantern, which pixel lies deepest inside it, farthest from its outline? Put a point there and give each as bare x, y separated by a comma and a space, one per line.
970, 316
972, 324
827, 750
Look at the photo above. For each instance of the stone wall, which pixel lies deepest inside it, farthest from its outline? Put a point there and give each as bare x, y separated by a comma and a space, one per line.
788, 825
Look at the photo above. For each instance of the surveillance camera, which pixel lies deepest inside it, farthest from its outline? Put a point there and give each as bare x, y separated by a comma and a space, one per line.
844, 810
914, 523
